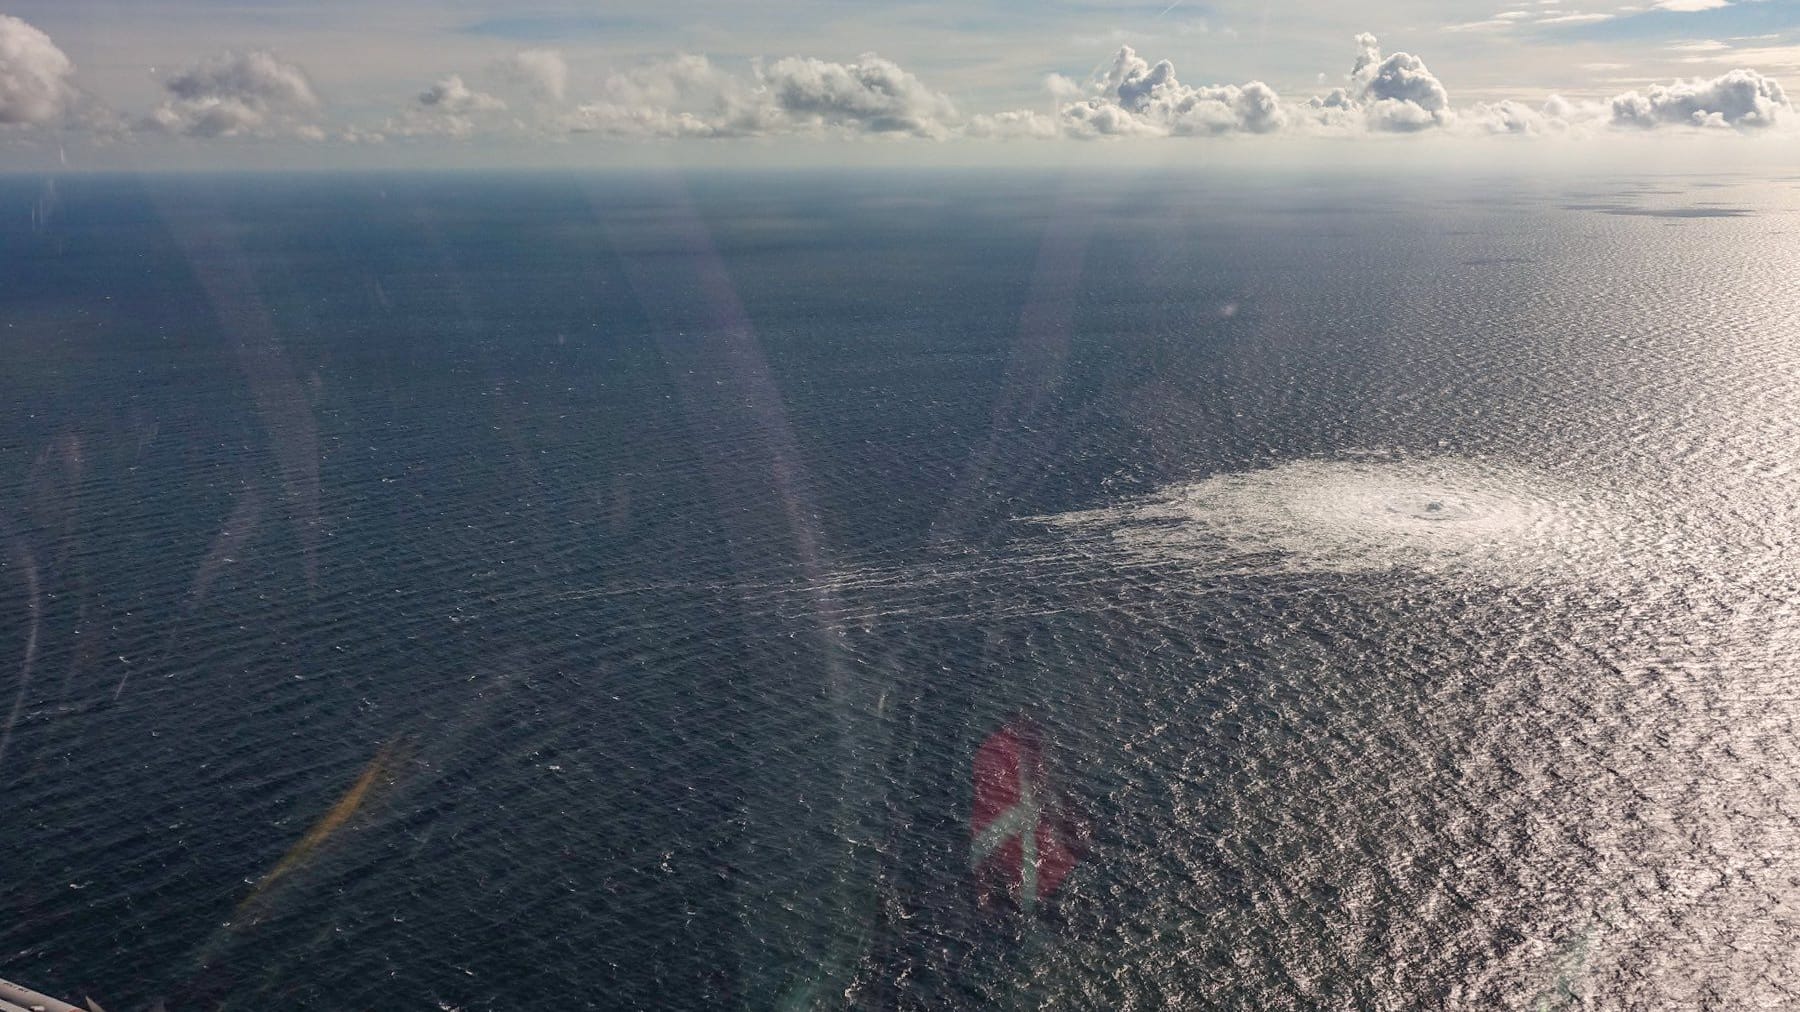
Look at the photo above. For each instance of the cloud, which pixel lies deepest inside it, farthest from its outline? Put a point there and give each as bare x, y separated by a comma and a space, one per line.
257, 77
1385, 94
1014, 124
1398, 92
1136, 98
686, 96
614, 120
544, 71
872, 95
358, 135
1743, 99
257, 94
1336, 109
690, 97
1690, 6
1576, 18
1556, 115
1767, 59
685, 79
453, 97
1740, 98
1528, 19
239, 94
449, 108
36, 78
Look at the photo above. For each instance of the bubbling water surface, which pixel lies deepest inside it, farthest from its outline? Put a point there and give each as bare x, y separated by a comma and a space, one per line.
1505, 521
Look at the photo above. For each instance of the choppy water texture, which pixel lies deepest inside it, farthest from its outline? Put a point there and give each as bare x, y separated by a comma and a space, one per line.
493, 593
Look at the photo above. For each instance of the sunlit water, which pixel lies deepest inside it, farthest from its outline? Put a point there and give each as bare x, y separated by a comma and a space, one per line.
481, 594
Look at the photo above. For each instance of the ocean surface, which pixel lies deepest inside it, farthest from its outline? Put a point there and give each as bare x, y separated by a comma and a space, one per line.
467, 593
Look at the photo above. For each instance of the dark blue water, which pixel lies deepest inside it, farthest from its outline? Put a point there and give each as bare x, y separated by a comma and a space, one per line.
480, 593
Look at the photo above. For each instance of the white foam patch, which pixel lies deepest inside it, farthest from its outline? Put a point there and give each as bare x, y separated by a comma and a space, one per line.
1436, 514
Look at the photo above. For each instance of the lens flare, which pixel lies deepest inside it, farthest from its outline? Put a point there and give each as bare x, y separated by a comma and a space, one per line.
328, 824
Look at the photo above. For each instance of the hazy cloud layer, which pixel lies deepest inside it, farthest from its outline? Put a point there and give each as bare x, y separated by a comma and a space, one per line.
535, 92
253, 93
686, 96
544, 71
1013, 124
1557, 115
689, 96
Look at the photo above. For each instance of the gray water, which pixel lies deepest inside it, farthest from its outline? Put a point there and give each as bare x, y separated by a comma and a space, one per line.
479, 593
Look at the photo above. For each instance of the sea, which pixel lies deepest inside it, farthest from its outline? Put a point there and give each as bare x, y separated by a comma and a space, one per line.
472, 591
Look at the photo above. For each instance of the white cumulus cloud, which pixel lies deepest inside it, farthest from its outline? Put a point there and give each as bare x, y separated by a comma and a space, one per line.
1135, 98
451, 95
872, 95
1739, 98
1386, 94
1397, 92
36, 78
449, 108
252, 93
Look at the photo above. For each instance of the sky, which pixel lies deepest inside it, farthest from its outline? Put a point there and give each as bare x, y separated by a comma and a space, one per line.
224, 84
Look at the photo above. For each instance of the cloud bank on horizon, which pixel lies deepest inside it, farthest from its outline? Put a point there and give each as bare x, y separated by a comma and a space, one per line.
527, 93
